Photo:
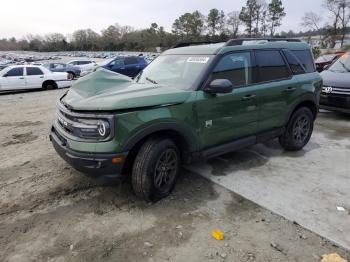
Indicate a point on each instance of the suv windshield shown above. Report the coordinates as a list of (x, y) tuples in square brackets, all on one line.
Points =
[(179, 71), (342, 65)]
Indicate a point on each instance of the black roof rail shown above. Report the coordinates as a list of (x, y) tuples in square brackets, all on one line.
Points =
[(184, 44), (240, 41)]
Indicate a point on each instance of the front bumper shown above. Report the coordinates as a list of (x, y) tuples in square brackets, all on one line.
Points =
[(95, 165), (340, 103), (64, 83)]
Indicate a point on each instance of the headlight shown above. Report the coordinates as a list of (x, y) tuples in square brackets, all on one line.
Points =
[(93, 128)]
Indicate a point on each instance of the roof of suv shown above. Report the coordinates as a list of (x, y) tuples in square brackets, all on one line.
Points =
[(221, 48)]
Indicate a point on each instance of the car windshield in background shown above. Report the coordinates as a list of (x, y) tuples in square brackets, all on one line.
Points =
[(342, 65), (325, 58), (180, 71), (106, 61)]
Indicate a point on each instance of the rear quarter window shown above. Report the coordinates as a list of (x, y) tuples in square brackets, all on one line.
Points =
[(306, 59)]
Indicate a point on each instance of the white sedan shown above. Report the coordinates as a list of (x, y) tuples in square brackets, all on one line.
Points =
[(21, 77), (86, 66)]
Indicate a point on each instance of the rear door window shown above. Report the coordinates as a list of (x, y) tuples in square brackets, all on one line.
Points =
[(306, 59), (34, 71), (84, 62), (271, 65)]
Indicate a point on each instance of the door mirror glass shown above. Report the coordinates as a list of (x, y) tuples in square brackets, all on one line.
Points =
[(219, 86)]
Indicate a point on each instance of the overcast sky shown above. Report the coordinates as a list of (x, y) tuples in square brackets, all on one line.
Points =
[(22, 17)]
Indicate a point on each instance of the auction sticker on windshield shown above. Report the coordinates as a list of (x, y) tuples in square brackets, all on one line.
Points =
[(198, 59)]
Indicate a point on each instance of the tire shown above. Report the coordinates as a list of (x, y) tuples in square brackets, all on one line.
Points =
[(156, 169), (50, 86), (71, 75), (298, 131)]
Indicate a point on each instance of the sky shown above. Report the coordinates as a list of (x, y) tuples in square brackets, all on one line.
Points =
[(19, 18)]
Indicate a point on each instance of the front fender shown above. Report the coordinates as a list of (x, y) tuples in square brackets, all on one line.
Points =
[(185, 132)]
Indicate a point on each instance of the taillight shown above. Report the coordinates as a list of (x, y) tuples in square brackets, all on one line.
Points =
[(69, 77)]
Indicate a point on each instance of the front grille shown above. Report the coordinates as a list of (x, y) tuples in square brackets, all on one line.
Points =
[(335, 90)]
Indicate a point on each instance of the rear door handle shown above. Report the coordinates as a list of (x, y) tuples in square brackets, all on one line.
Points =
[(290, 89), (21, 78), (248, 97)]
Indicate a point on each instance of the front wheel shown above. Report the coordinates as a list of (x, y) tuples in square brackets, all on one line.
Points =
[(156, 169), (299, 130)]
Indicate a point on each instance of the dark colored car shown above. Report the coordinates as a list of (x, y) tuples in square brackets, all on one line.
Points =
[(325, 60), (126, 65), (336, 86), (190, 103), (73, 71)]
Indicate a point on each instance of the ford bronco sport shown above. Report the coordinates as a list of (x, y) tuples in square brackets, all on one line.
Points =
[(196, 101)]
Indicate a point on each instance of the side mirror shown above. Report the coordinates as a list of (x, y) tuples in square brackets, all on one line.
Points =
[(219, 86)]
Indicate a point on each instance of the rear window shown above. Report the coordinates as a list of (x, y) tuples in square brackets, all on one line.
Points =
[(34, 71), (271, 65), (306, 59)]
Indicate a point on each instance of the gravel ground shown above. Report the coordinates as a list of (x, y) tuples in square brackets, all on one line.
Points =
[(50, 212)]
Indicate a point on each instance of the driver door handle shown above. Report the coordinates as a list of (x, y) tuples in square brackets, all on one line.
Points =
[(21, 78), (289, 89), (248, 97)]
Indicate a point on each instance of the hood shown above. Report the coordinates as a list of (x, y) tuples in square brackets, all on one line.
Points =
[(336, 79), (105, 91)]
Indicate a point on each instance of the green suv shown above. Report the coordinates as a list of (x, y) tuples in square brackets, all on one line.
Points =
[(192, 102)]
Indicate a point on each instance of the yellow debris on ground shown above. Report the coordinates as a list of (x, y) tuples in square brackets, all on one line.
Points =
[(218, 234), (333, 258)]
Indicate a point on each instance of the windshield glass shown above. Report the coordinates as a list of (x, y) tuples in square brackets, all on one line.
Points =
[(325, 58), (179, 71), (342, 65), (107, 61)]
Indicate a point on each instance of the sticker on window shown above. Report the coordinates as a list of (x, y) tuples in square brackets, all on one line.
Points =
[(198, 59)]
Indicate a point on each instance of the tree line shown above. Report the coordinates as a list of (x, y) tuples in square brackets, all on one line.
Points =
[(330, 27), (257, 18)]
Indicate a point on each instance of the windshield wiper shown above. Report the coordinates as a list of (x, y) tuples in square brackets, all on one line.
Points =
[(345, 67), (150, 80)]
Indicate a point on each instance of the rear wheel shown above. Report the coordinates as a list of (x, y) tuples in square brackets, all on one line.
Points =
[(156, 169), (71, 75), (50, 85), (299, 130)]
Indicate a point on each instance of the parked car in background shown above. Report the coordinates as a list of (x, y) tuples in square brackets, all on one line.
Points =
[(336, 86), (86, 66), (73, 71), (190, 103), (325, 60), (126, 65), (21, 77)]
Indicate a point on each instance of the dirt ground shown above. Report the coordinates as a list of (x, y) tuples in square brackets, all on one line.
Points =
[(50, 212)]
